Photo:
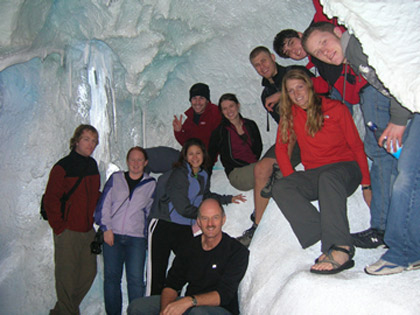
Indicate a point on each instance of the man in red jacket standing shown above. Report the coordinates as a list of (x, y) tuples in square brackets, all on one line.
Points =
[(75, 178)]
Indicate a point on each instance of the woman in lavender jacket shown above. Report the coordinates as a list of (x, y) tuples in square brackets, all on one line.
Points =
[(122, 214)]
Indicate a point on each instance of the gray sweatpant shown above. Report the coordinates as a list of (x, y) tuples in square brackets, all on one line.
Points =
[(329, 184)]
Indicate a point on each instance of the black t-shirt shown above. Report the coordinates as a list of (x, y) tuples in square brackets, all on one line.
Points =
[(220, 269), (132, 183)]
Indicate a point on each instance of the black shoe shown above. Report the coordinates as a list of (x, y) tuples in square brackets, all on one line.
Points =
[(246, 237), (252, 216), (371, 238), (275, 175)]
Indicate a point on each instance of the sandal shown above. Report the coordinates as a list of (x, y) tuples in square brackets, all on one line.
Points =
[(336, 266)]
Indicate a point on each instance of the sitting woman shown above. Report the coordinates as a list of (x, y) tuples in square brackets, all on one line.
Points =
[(121, 213), (335, 164), (238, 141), (173, 219)]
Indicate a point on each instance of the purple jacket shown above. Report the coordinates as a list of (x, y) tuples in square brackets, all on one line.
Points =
[(122, 213)]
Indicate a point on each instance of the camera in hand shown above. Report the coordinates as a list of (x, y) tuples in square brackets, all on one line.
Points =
[(96, 245)]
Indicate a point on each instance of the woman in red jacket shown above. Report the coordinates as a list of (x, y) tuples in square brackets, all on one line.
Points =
[(335, 164)]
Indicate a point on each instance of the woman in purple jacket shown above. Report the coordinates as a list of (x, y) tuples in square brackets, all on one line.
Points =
[(122, 214)]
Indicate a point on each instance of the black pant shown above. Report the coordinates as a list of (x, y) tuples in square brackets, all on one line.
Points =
[(166, 236)]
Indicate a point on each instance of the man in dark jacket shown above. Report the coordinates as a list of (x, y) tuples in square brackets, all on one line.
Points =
[(72, 220), (212, 264), (266, 170)]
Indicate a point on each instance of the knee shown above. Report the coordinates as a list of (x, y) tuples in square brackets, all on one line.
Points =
[(201, 310), (279, 188), (112, 275), (264, 168)]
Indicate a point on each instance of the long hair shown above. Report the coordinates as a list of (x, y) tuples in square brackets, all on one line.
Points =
[(314, 119), (184, 151), (227, 97)]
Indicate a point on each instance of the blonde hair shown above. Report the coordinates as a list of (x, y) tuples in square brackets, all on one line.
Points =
[(314, 120)]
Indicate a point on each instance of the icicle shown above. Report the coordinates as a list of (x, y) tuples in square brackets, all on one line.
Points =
[(114, 106), (143, 116)]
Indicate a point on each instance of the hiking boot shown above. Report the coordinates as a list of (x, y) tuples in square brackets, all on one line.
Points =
[(246, 237), (275, 175), (370, 238), (252, 216)]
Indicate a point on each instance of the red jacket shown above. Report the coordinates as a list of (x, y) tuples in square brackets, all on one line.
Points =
[(337, 141), (78, 215), (209, 120)]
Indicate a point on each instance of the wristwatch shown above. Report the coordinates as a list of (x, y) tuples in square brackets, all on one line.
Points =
[(193, 300)]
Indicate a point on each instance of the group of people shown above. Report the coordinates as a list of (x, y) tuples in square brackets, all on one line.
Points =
[(179, 213)]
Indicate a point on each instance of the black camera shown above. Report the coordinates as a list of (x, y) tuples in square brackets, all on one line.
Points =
[(96, 245)]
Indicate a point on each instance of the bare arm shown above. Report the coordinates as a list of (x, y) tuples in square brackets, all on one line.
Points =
[(180, 306), (168, 296)]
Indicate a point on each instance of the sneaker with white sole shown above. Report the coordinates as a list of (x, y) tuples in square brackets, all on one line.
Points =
[(413, 266), (383, 267), (370, 238)]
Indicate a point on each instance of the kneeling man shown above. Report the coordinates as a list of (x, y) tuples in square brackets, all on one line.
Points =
[(213, 264)]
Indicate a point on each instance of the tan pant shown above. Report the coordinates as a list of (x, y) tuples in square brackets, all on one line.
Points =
[(242, 178), (75, 269)]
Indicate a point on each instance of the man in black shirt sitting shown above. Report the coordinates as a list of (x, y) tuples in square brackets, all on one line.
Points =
[(213, 264)]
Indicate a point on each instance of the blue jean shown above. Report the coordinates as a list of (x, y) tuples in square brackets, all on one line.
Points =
[(375, 108), (402, 233), (130, 251), (336, 95), (151, 306)]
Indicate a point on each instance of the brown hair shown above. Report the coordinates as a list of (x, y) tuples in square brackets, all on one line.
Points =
[(319, 26), (138, 149), (183, 155), (78, 133), (315, 118), (257, 50)]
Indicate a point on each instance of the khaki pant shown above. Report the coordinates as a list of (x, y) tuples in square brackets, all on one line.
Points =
[(75, 269), (242, 178)]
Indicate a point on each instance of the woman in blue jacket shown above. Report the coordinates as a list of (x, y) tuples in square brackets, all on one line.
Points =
[(173, 219), (122, 214)]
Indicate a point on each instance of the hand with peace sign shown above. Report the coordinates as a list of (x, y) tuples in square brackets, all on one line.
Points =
[(177, 123)]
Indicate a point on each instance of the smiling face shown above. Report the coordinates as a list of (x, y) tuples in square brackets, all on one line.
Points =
[(265, 65), (211, 219), (195, 157), (136, 163), (293, 48), (326, 46), (230, 110), (86, 143), (298, 92), (199, 104)]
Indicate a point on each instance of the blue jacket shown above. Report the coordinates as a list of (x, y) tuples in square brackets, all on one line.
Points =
[(184, 193), (121, 212)]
